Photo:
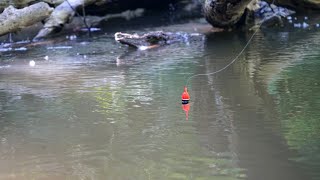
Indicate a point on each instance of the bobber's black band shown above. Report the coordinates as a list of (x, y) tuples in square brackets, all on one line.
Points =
[(185, 101)]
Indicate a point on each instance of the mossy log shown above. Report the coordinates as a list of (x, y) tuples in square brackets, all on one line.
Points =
[(12, 19), (225, 13)]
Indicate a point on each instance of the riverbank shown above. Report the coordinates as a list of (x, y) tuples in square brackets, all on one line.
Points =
[(76, 16)]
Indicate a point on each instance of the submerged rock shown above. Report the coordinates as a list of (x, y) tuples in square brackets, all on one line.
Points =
[(272, 15), (267, 10), (271, 21)]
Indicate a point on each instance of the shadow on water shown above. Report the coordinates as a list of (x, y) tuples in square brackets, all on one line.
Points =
[(296, 93), (239, 115), (288, 54)]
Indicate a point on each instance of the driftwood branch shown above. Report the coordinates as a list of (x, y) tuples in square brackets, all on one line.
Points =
[(12, 19), (61, 15)]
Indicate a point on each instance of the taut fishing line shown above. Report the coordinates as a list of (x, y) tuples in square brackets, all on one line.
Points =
[(226, 66), (234, 60)]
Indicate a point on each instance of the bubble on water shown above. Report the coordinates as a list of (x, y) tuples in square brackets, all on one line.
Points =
[(92, 29), (59, 47), (297, 25), (46, 58), (5, 66), (20, 49), (142, 48), (72, 37), (32, 63)]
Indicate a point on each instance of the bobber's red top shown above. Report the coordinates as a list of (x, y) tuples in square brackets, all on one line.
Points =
[(185, 95)]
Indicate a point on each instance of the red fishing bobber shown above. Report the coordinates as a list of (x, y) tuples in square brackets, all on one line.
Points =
[(185, 96)]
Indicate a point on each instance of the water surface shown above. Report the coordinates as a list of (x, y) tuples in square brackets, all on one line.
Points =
[(93, 109)]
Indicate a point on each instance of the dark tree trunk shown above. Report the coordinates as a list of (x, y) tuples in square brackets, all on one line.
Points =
[(225, 13)]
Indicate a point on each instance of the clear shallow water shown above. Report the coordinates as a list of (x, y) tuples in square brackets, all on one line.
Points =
[(96, 110)]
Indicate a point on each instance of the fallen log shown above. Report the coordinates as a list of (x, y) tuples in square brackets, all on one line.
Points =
[(12, 19), (61, 15)]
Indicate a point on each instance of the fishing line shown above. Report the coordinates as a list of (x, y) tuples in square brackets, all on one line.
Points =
[(83, 16), (234, 59)]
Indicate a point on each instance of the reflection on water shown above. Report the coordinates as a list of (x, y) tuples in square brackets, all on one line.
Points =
[(99, 110), (296, 91)]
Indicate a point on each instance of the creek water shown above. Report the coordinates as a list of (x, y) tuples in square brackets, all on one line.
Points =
[(94, 109)]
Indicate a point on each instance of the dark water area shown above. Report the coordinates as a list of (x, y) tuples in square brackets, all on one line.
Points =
[(91, 108)]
